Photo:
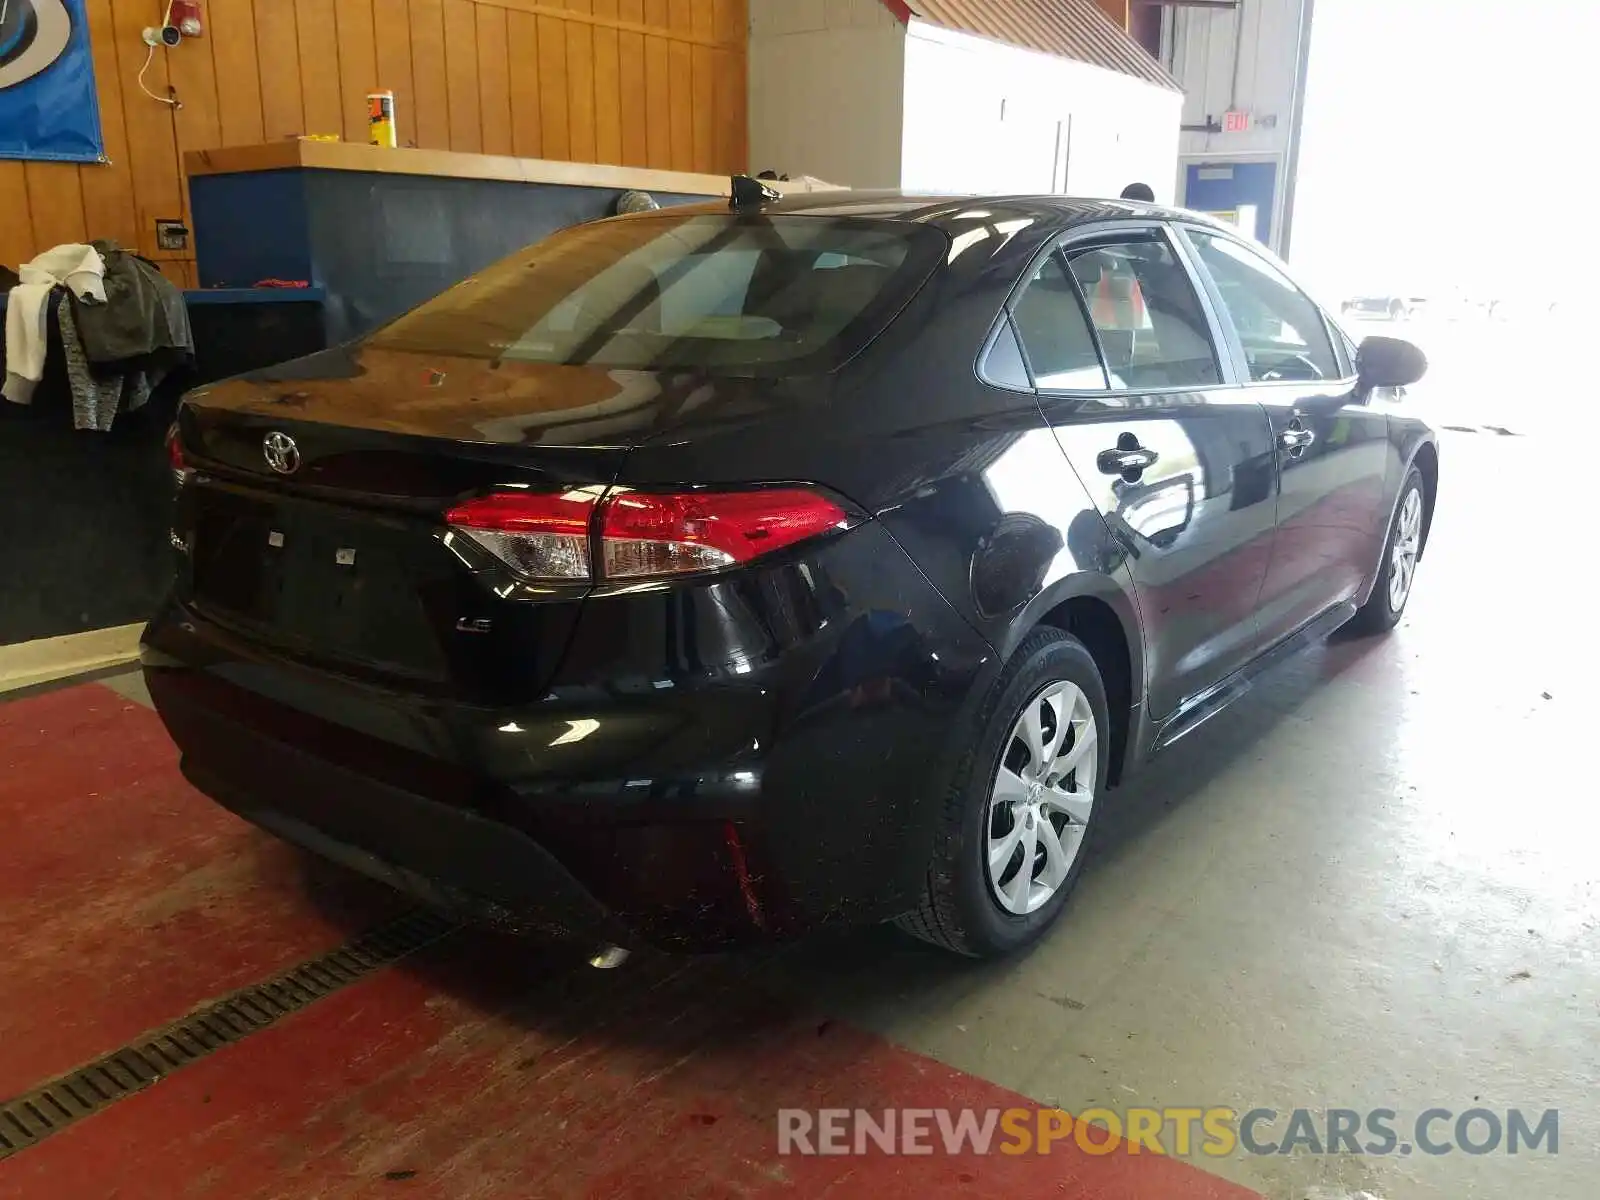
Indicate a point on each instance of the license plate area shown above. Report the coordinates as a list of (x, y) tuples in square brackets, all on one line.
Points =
[(345, 585)]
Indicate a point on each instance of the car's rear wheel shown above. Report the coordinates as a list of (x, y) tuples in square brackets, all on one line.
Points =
[(1022, 803), (1398, 570)]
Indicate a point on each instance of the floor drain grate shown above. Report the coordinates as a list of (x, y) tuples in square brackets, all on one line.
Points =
[(50, 1108)]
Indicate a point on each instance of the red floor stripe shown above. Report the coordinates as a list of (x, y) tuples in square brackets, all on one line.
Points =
[(126, 897), (487, 1072)]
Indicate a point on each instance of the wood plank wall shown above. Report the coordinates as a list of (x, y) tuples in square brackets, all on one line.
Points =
[(1119, 11), (650, 83)]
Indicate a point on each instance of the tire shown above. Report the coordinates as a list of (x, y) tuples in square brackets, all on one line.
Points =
[(1381, 613), (966, 908)]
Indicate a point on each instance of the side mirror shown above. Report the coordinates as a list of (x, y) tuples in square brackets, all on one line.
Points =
[(1385, 362)]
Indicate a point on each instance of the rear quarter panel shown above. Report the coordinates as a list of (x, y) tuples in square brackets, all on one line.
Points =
[(967, 477)]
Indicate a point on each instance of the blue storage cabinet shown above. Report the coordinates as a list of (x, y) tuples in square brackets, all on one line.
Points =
[(378, 242)]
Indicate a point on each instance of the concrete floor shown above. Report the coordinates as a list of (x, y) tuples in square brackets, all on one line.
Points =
[(1370, 885)]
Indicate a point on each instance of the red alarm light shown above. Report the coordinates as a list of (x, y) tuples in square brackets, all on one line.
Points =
[(186, 15)]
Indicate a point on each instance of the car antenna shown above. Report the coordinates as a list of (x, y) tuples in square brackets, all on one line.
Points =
[(751, 193)]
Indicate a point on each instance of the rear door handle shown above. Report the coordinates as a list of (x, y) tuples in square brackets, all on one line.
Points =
[(1130, 460), (1296, 439)]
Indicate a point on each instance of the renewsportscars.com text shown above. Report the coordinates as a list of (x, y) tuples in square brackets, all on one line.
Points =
[(1215, 1132)]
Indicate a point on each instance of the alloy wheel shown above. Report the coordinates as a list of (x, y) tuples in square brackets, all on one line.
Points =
[(1043, 794), (1407, 546)]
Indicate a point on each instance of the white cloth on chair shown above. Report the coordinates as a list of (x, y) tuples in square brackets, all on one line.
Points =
[(77, 267)]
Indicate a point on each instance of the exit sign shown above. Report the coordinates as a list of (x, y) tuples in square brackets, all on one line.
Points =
[(1236, 122)]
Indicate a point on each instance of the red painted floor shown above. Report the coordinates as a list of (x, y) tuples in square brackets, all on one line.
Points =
[(126, 897), (483, 1068)]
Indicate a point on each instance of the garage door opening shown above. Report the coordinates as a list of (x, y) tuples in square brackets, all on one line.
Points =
[(1443, 170)]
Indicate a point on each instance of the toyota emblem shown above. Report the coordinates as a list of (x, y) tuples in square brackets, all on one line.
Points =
[(283, 456)]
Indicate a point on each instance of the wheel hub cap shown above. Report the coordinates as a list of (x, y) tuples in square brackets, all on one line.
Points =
[(1042, 797), (1407, 547)]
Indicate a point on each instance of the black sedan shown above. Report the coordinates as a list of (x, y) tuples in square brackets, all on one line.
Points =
[(711, 575)]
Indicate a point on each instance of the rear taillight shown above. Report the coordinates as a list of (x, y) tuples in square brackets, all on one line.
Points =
[(642, 535), (539, 536), (180, 469)]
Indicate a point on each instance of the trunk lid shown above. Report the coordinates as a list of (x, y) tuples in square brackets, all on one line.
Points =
[(335, 556)]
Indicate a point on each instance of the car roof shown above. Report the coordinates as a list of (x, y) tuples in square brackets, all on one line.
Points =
[(953, 210)]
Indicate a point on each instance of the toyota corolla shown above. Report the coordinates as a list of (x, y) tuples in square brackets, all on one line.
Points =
[(716, 574)]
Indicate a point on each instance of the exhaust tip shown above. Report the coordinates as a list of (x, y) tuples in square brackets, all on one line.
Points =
[(609, 959)]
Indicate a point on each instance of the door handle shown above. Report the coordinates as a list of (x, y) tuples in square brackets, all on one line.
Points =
[(1126, 460), (1295, 440)]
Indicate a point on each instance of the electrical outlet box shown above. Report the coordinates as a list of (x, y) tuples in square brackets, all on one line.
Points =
[(172, 235)]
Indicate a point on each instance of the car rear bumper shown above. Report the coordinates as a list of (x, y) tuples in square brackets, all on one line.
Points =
[(761, 795), (445, 855)]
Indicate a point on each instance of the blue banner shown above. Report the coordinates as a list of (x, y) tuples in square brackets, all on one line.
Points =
[(48, 107)]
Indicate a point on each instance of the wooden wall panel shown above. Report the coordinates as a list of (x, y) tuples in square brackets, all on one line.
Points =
[(552, 72), (732, 23), (657, 83), (527, 120), (108, 204), (703, 111), (430, 105), (232, 33), (358, 65), (158, 190), (55, 199), (461, 71), (283, 112), (197, 124), (391, 35), (318, 33), (658, 101), (732, 126), (1117, 10), (703, 105), (658, 97), (607, 85), (580, 84), (16, 235), (680, 97), (494, 80), (635, 108)]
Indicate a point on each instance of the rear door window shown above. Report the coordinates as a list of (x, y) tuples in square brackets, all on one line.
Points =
[(1002, 364), (773, 294), (1151, 325), (1054, 332)]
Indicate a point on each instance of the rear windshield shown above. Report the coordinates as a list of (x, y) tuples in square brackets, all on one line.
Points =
[(741, 293)]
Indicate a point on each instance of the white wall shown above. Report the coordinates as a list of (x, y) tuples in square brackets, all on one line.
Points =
[(1268, 39), (825, 94), (985, 117)]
